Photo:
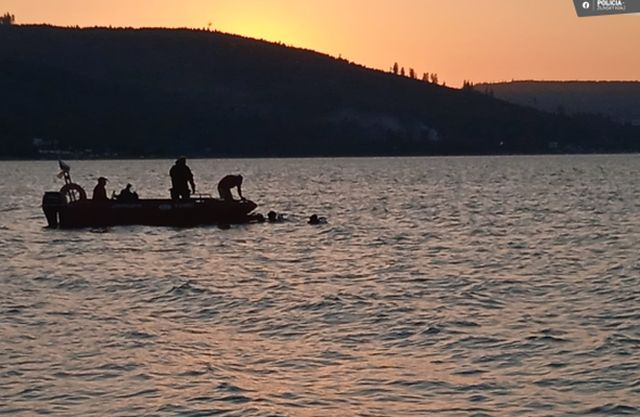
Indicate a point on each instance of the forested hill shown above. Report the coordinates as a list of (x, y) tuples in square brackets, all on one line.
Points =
[(619, 100), (161, 92)]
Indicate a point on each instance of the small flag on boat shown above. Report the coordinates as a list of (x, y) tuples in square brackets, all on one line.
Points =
[(64, 168)]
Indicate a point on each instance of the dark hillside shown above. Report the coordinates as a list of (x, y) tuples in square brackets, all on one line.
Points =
[(162, 92), (618, 100)]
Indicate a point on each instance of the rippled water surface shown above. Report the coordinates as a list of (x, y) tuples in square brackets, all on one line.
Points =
[(503, 286)]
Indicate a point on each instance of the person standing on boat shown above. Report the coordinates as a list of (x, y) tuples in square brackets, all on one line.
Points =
[(99, 191), (227, 183), (181, 178)]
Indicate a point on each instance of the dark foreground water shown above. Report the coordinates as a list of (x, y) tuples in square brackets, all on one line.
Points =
[(505, 286)]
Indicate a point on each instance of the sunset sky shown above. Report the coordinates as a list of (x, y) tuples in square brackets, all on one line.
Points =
[(488, 40)]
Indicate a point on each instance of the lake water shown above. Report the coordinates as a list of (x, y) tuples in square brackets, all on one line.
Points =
[(488, 286)]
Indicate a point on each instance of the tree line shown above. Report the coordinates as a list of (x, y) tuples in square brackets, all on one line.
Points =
[(411, 73), (7, 19)]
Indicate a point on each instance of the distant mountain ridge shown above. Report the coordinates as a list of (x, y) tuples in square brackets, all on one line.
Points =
[(163, 92), (619, 100)]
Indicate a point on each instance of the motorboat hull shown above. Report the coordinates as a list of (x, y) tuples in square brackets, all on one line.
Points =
[(148, 212)]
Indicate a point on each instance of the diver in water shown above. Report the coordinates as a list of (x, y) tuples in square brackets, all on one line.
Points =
[(314, 220), (274, 217), (181, 178)]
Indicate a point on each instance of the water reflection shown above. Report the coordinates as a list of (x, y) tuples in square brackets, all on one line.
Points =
[(446, 286)]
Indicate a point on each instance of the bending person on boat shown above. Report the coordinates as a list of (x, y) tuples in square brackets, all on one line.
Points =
[(227, 183), (181, 178)]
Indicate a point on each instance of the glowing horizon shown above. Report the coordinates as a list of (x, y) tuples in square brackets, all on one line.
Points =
[(487, 41)]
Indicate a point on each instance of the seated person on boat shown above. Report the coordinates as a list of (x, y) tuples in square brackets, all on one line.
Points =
[(126, 195), (100, 191)]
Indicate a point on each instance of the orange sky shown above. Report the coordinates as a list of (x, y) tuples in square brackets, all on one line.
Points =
[(479, 40)]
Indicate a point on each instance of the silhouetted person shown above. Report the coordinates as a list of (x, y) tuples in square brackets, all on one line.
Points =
[(99, 191), (127, 195), (181, 178), (274, 217), (314, 219), (227, 183)]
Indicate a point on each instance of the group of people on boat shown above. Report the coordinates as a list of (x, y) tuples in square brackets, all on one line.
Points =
[(183, 185), (100, 192), (182, 178)]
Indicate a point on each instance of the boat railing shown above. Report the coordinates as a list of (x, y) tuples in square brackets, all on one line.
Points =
[(201, 196)]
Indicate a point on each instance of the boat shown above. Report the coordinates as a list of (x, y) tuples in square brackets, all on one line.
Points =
[(70, 208)]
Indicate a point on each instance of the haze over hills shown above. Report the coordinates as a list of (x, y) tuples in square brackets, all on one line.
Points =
[(618, 100), (162, 92)]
